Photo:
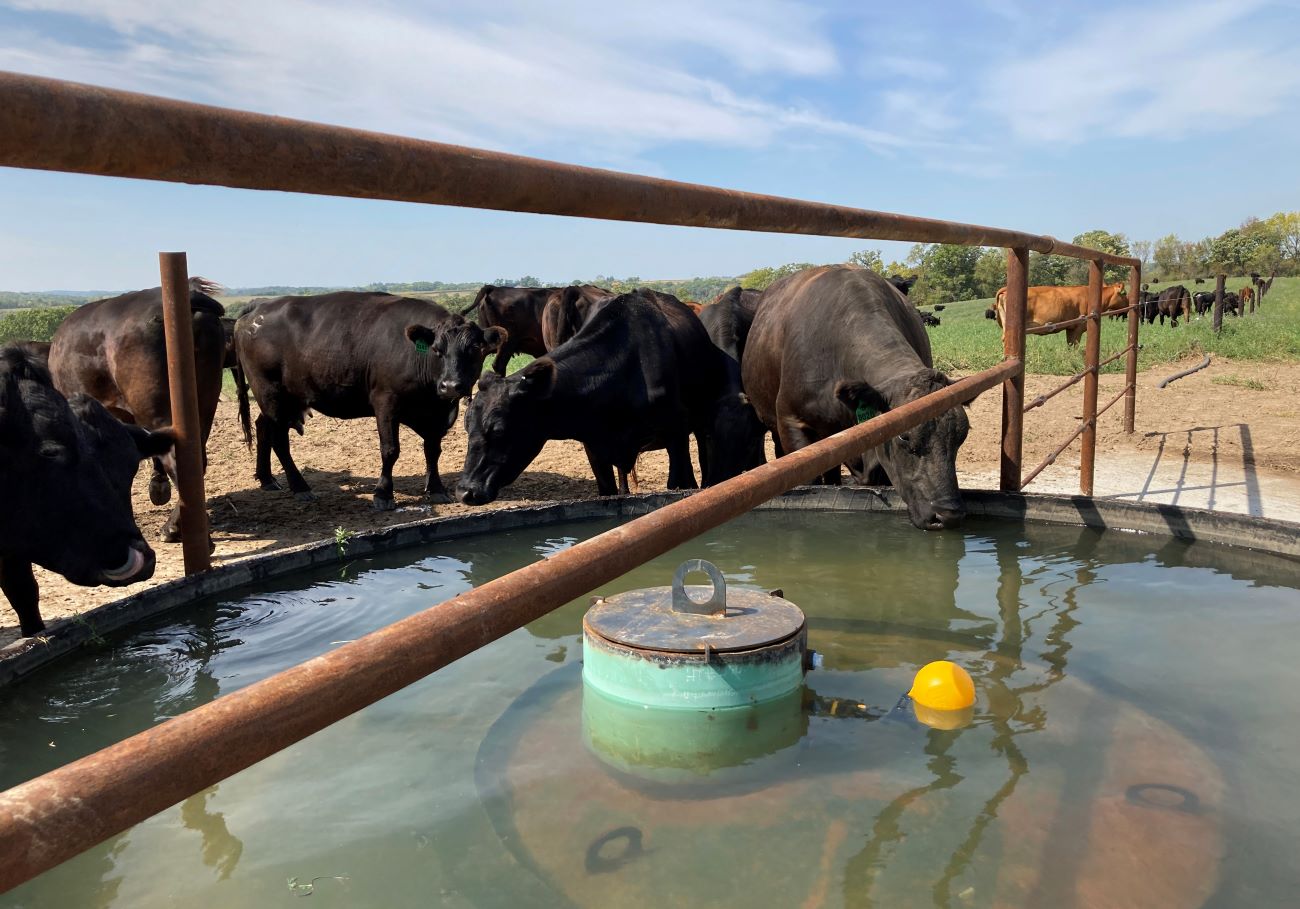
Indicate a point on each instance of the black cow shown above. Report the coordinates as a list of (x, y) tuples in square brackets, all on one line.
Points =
[(728, 318), (1148, 305), (640, 374), (1200, 280), (350, 355), (928, 319), (1202, 302), (903, 285), (114, 350), (66, 468), (1231, 303), (517, 311), (1173, 302), (832, 346)]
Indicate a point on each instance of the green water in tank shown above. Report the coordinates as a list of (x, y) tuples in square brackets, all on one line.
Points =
[(1135, 740)]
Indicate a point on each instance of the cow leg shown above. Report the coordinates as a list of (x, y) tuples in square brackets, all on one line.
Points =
[(792, 435), (502, 359), (1073, 334), (160, 488), (603, 471), (263, 475), (680, 473), (432, 432), (389, 449), (24, 595), (277, 435)]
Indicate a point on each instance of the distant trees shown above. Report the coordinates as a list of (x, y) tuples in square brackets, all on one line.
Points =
[(762, 278)]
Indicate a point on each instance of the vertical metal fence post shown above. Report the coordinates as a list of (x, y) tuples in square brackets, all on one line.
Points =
[(1013, 389), (178, 326), (1131, 360), (1218, 303), (1091, 356)]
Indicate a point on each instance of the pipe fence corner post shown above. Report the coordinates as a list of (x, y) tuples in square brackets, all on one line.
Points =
[(1218, 303), (1091, 356), (178, 327), (1131, 360), (1013, 389)]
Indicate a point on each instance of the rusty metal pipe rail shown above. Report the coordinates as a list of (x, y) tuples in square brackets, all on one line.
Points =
[(1047, 396), (47, 124), (1111, 359), (1112, 402), (1051, 458), (48, 820), (1048, 327)]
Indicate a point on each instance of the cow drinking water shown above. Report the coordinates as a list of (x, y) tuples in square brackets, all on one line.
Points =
[(832, 346), (350, 355), (640, 374), (66, 467)]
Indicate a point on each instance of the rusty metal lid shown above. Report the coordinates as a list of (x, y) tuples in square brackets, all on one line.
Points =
[(691, 619)]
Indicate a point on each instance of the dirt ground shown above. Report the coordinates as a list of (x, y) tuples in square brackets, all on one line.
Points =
[(1199, 420)]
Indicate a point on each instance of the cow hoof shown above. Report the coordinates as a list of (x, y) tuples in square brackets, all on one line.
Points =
[(160, 490), (305, 495), (269, 485), (169, 535), (382, 504), (441, 497)]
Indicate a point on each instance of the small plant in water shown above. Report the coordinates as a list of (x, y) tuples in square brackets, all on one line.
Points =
[(94, 639)]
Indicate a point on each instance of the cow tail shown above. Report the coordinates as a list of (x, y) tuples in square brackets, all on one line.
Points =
[(478, 301), (241, 391)]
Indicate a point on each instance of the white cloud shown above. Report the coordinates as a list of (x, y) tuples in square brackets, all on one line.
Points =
[(1157, 72), (577, 79)]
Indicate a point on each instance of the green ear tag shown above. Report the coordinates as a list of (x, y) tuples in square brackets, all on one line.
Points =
[(422, 346), (865, 412)]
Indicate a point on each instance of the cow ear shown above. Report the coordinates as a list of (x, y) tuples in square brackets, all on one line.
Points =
[(494, 338), (537, 379), (488, 379), (152, 444), (860, 398), (421, 336)]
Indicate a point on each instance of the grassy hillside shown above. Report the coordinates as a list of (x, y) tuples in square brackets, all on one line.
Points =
[(968, 342)]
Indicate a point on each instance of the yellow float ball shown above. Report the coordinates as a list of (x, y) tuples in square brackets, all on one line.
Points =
[(943, 685)]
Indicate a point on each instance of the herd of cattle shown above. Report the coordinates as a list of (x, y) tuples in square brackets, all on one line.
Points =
[(619, 373), (1048, 307)]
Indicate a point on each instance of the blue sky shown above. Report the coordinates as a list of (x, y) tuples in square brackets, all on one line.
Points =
[(1142, 118)]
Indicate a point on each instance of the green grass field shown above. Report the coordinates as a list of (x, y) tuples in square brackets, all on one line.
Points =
[(968, 342)]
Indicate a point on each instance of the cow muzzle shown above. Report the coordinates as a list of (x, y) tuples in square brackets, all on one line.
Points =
[(139, 566), (453, 391), (944, 518)]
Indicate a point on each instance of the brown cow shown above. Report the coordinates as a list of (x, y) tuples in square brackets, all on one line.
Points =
[(1246, 295), (1049, 305), (114, 351), (518, 312)]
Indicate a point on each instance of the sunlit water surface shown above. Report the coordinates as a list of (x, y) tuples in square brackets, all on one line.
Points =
[(1136, 740)]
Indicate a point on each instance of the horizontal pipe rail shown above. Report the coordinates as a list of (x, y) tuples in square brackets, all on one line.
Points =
[(1051, 458), (47, 124), (1112, 402), (49, 819), (1112, 359), (1048, 327), (1044, 398)]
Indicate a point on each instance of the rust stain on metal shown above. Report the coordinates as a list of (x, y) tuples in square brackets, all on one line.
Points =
[(178, 327), (1013, 389), (47, 124), (1092, 353)]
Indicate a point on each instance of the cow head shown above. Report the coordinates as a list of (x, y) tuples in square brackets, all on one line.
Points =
[(922, 462), (735, 441), (460, 346), (66, 467), (506, 429)]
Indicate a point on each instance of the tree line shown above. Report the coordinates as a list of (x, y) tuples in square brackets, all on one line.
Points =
[(947, 273)]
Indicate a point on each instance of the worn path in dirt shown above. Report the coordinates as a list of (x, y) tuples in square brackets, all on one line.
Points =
[(1198, 444)]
